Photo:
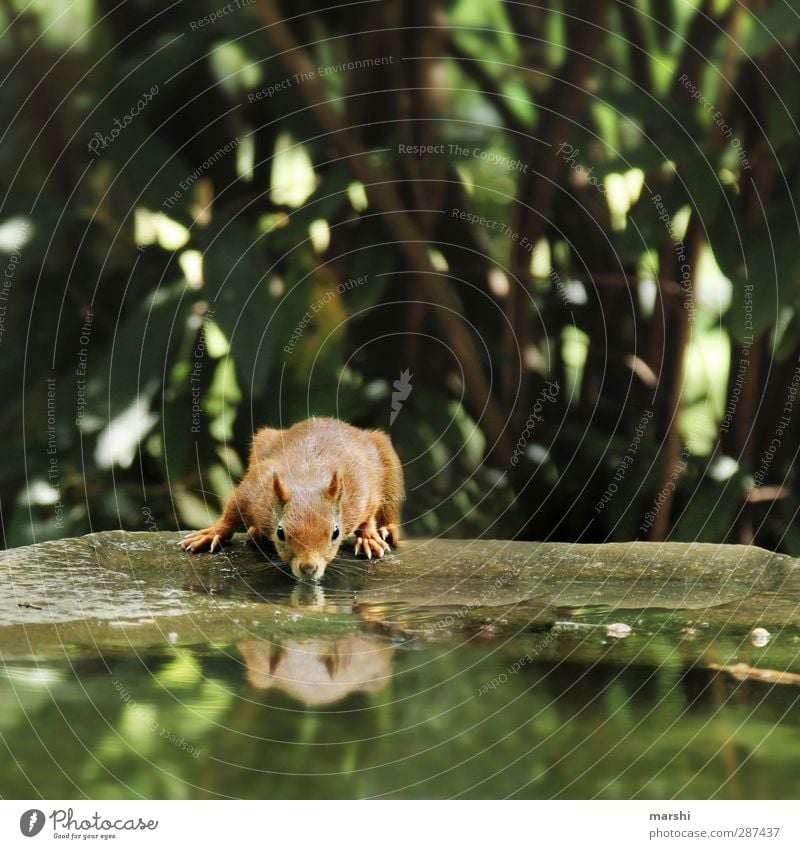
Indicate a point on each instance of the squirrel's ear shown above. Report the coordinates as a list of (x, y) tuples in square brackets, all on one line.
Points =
[(281, 493), (335, 487)]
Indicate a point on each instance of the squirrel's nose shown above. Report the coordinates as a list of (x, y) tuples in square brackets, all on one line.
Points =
[(308, 569)]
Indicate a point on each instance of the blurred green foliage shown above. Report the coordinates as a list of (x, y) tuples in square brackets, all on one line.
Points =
[(179, 225)]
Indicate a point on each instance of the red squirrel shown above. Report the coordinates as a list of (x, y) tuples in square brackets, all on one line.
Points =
[(319, 671), (308, 488)]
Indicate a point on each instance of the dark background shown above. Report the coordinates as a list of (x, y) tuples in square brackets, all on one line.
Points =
[(636, 168)]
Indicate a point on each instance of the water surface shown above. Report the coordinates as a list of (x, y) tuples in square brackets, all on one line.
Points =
[(218, 678)]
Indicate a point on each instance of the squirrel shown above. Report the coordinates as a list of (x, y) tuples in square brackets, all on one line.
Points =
[(319, 671), (308, 488)]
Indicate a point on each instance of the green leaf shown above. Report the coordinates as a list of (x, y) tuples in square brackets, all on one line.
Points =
[(235, 271), (761, 264), (778, 24), (140, 355)]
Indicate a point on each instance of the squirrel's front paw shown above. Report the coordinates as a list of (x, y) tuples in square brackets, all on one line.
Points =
[(206, 540), (370, 542), (389, 533)]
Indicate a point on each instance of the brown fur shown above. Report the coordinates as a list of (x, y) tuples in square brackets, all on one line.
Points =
[(319, 672), (317, 474)]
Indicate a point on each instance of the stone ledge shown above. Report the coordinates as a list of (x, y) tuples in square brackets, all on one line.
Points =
[(122, 589)]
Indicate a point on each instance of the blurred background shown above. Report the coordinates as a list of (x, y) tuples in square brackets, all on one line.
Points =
[(551, 248)]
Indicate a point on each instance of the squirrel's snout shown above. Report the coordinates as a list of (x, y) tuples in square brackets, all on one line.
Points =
[(308, 568)]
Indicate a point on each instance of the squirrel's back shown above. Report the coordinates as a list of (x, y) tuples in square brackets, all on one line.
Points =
[(308, 453)]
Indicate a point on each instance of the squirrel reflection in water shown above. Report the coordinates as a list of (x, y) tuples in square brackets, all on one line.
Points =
[(319, 671)]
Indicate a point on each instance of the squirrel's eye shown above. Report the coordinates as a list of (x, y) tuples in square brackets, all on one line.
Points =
[(335, 534), (280, 533)]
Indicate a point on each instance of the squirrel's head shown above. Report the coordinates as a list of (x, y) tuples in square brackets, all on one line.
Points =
[(308, 529)]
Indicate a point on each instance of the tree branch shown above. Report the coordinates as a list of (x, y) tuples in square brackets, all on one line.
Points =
[(382, 194), (537, 189)]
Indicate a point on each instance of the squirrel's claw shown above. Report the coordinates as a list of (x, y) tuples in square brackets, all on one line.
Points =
[(389, 533), (201, 540), (370, 543)]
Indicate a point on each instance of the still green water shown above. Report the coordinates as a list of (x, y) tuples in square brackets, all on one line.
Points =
[(479, 669), (366, 717)]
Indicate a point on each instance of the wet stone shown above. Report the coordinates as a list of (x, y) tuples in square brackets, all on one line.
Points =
[(137, 589)]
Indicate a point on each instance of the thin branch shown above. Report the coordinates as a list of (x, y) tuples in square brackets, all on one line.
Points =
[(638, 49), (671, 379), (473, 68)]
